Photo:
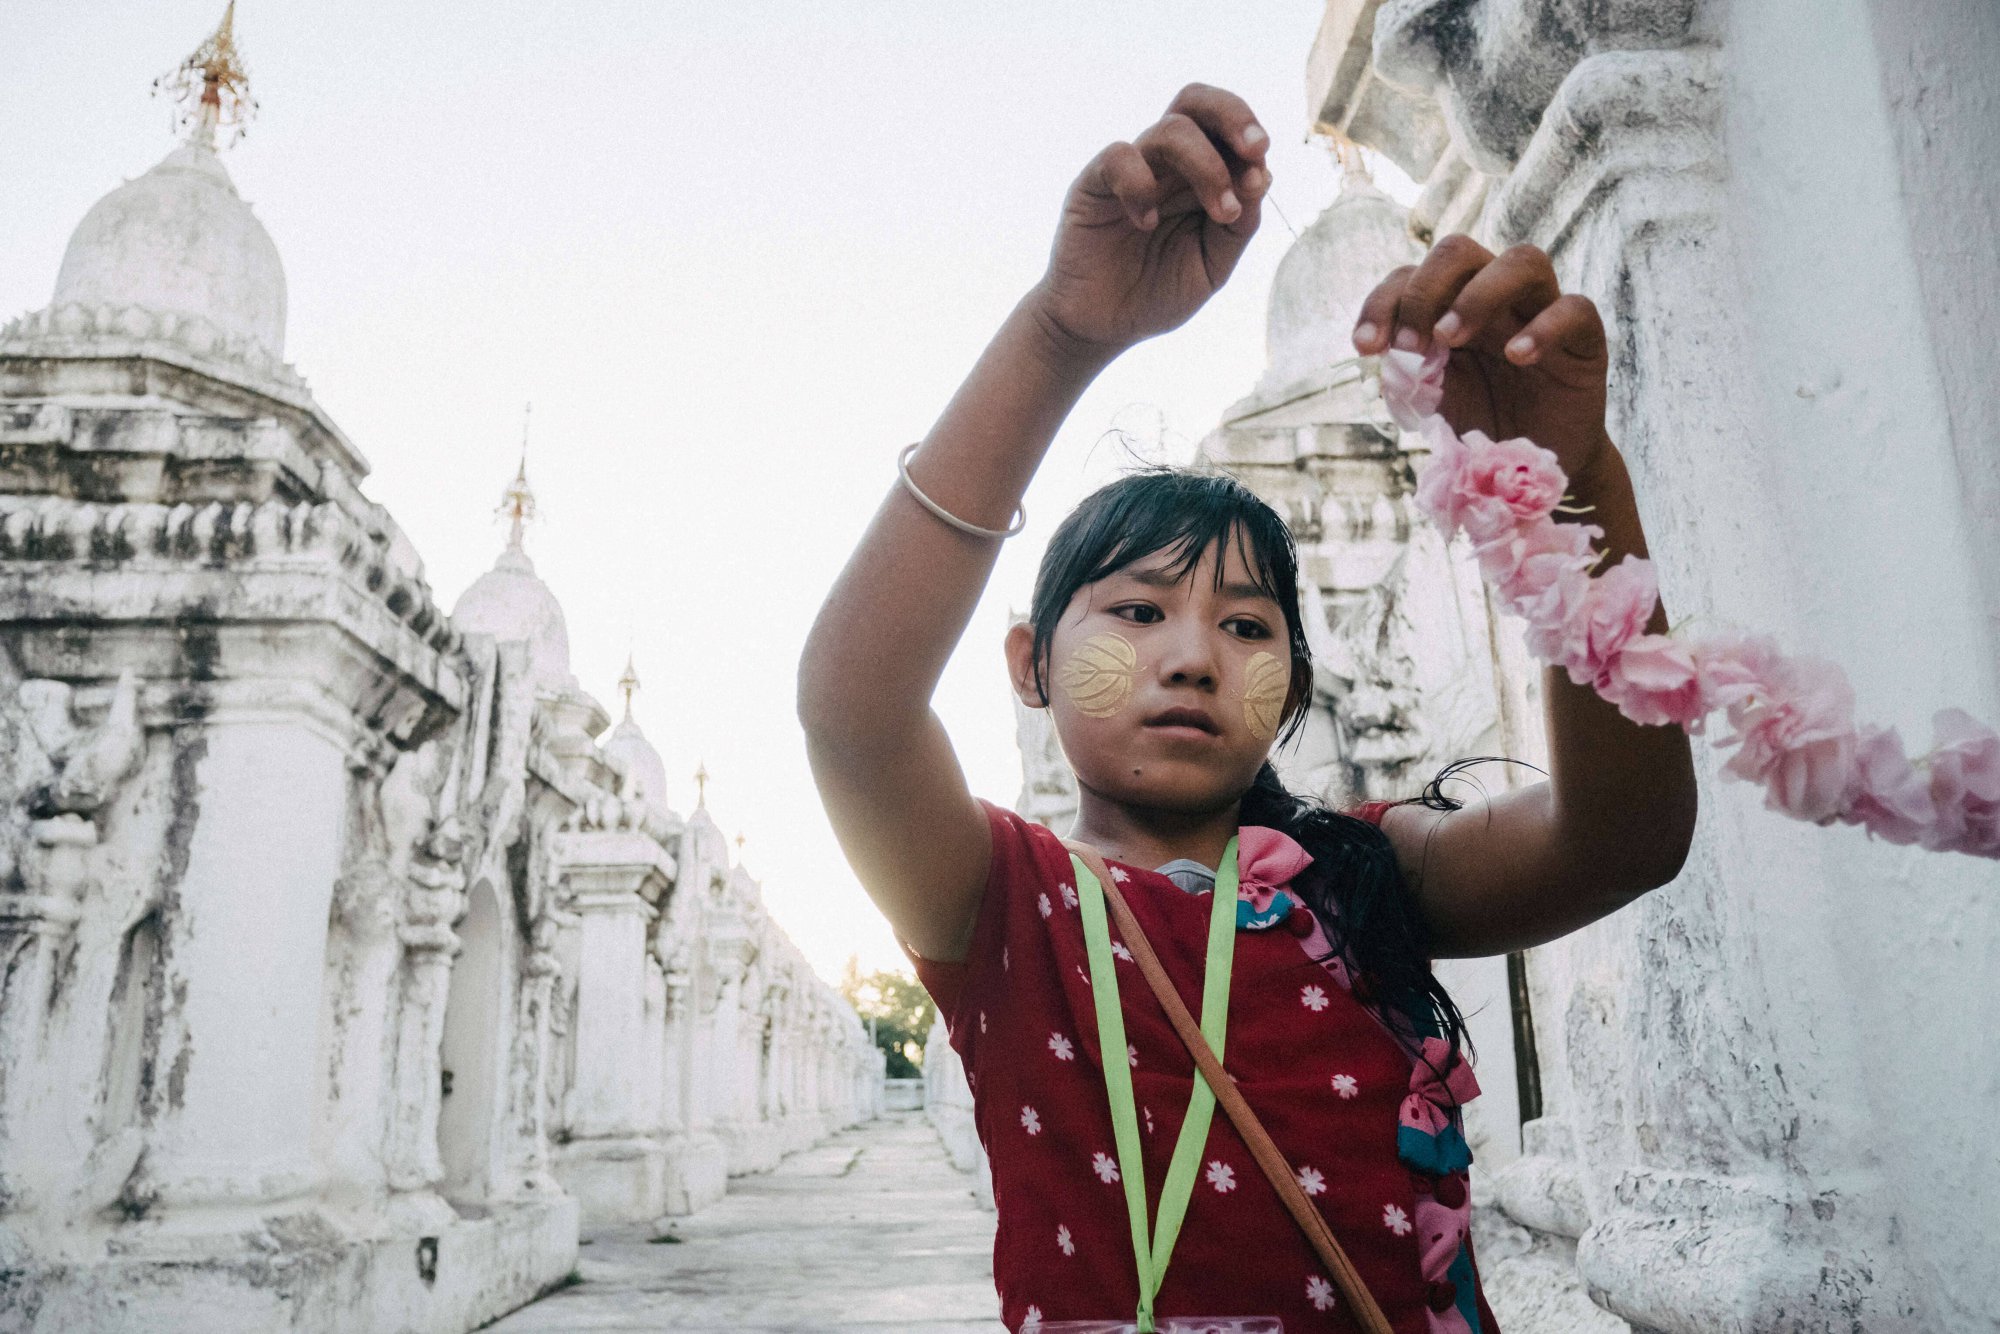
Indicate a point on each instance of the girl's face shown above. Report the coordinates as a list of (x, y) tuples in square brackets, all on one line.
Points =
[(1167, 691)]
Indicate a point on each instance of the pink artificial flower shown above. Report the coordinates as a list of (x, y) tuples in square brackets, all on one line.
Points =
[(1965, 785), (1438, 493), (1413, 383), (1483, 517), (1523, 478), (1734, 666), (1886, 795), (1558, 632), (1655, 680), (1614, 612), (1797, 736), (1524, 562)]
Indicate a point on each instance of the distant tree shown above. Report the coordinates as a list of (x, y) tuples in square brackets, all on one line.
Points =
[(897, 1008)]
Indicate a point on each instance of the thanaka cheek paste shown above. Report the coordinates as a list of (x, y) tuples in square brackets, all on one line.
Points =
[(1267, 679), (1098, 676)]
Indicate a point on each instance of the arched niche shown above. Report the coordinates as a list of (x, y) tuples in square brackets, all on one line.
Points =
[(475, 1030)]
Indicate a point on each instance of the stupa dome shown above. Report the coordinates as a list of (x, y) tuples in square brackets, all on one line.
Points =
[(627, 748), (512, 604), (180, 241), (705, 839), (1317, 292)]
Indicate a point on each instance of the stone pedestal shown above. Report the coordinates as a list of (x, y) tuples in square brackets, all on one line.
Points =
[(696, 1172), (614, 1162)]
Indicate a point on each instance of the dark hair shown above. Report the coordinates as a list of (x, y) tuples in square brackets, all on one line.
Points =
[(1354, 885)]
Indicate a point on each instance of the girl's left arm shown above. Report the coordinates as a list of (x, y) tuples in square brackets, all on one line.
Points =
[(1616, 815)]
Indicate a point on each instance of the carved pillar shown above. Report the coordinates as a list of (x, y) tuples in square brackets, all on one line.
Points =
[(528, 1142), (614, 1162), (433, 902), (37, 926), (696, 1172), (357, 1034), (57, 783)]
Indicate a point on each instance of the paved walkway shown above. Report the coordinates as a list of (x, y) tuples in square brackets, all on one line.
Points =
[(871, 1230)]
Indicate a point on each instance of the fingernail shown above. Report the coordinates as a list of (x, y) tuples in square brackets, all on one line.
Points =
[(1407, 340), (1230, 204), (1255, 135), (1151, 220), (1255, 179), (1521, 346), (1448, 327), (1365, 335)]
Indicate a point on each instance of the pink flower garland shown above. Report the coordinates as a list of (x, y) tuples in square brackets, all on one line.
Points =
[(1793, 716)]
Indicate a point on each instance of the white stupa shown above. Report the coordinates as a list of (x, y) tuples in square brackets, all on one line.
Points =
[(512, 604), (628, 749), (175, 258)]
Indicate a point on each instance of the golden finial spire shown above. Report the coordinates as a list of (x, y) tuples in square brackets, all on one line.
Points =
[(517, 502), (629, 685), (211, 88), (701, 785)]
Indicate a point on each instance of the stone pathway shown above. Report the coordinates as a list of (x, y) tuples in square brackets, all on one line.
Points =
[(871, 1230)]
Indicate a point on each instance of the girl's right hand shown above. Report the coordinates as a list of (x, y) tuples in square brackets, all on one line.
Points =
[(1153, 228)]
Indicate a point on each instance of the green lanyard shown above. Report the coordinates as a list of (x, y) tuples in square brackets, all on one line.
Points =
[(1152, 1254)]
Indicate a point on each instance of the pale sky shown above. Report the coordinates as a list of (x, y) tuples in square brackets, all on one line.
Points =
[(737, 255)]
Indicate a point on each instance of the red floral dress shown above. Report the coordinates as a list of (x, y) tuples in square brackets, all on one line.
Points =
[(1372, 1132)]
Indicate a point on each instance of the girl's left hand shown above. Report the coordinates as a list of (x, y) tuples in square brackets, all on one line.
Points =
[(1526, 359)]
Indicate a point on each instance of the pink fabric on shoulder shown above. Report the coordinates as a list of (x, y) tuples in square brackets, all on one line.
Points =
[(1266, 862)]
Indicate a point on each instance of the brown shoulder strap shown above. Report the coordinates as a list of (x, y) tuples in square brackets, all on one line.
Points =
[(1268, 1157)]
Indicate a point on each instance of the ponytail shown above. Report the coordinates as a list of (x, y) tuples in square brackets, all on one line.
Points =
[(1357, 891)]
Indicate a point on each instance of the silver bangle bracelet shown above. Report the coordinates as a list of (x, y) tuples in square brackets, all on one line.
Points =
[(903, 471)]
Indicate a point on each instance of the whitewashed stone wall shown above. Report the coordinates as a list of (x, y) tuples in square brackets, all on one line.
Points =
[(1784, 211), (345, 970)]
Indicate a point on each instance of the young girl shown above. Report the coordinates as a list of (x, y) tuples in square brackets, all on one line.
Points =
[(1166, 637)]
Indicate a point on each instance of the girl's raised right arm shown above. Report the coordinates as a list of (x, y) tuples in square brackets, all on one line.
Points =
[(1149, 231)]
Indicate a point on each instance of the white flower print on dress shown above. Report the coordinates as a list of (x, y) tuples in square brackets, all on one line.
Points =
[(1118, 949), (1313, 998), (982, 1021), (1312, 1181), (1064, 1240), (1048, 909), (1085, 976), (1149, 1119), (1345, 1086), (1132, 1055), (1118, 874), (1031, 1121), (1031, 1321), (1318, 1291), (1395, 1219), (1106, 1168), (1069, 896), (1060, 1045), (1005, 961), (1221, 1176)]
